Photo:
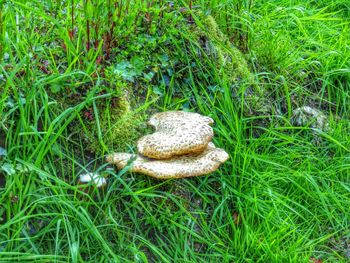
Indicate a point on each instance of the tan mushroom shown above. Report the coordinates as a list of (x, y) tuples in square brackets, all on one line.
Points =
[(176, 133), (177, 167)]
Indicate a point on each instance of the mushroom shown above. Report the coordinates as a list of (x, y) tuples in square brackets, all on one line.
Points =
[(176, 167), (93, 178), (176, 133)]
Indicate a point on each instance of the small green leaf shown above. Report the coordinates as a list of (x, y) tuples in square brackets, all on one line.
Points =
[(148, 76), (55, 88), (157, 90), (8, 169), (138, 64), (3, 152)]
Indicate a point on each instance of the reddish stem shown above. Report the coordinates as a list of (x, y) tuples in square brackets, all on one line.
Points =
[(88, 34), (120, 8), (191, 18), (96, 35), (127, 7), (71, 35)]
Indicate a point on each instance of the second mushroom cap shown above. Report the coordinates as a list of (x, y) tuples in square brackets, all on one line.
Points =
[(177, 167), (176, 133)]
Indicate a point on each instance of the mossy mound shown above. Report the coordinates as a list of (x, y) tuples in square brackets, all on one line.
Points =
[(168, 62), (228, 59), (230, 64), (111, 123), (117, 127), (108, 122)]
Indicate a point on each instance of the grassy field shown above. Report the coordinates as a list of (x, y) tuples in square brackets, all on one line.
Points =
[(79, 79)]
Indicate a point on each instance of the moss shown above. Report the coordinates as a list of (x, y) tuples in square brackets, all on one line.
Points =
[(116, 128), (111, 121), (227, 57), (231, 64)]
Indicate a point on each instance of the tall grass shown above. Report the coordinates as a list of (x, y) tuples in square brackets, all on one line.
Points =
[(282, 197)]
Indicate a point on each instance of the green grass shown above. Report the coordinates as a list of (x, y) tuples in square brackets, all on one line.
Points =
[(284, 194)]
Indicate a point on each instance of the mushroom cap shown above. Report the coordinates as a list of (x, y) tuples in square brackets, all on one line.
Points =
[(176, 133), (96, 179), (177, 167)]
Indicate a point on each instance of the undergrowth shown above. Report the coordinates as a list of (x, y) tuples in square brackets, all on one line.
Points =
[(78, 79)]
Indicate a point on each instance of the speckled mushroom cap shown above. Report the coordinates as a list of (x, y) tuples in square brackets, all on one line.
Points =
[(176, 133), (177, 167)]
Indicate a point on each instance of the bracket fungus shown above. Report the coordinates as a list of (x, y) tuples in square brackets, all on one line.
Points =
[(180, 147), (188, 165), (176, 133)]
